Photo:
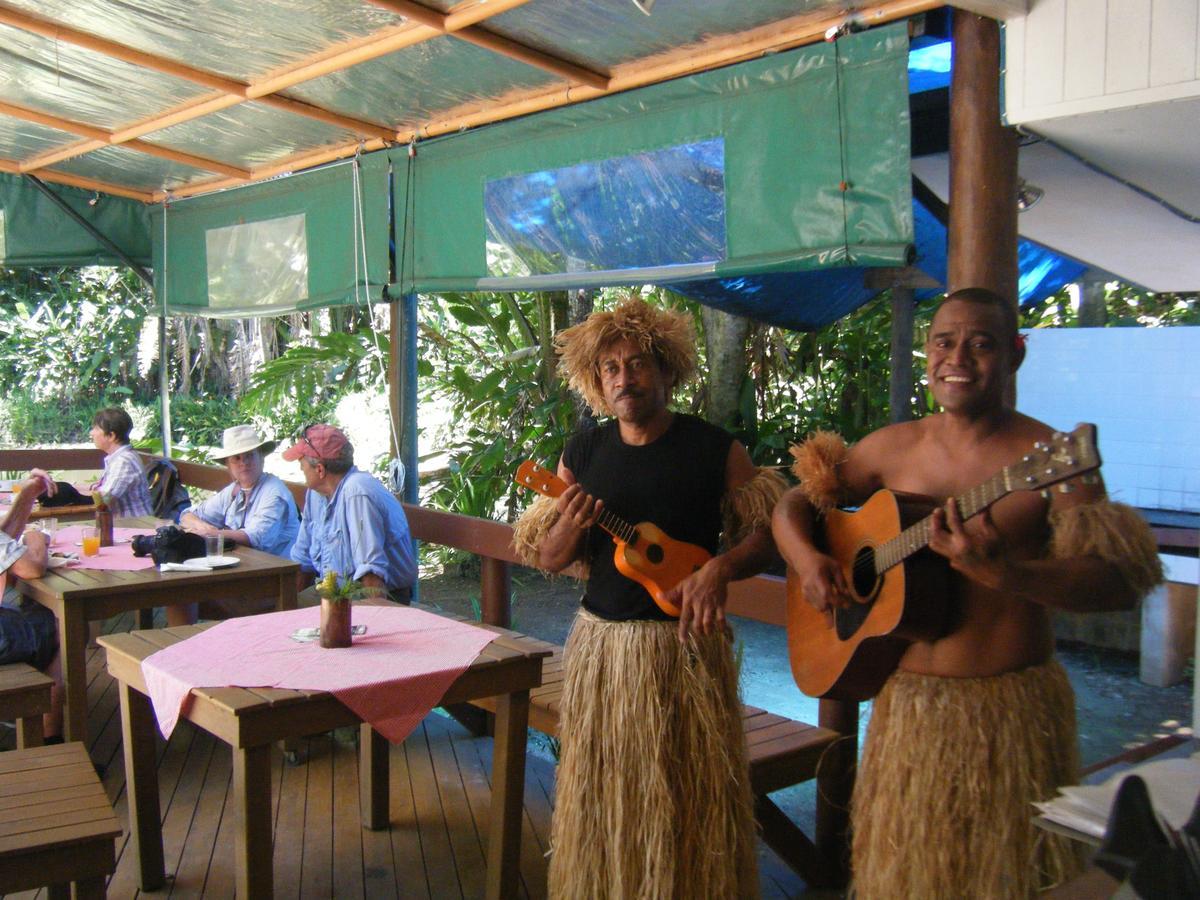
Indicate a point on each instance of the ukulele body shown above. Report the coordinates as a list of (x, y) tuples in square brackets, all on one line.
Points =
[(658, 562)]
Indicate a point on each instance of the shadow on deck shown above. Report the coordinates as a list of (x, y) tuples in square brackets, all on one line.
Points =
[(435, 847)]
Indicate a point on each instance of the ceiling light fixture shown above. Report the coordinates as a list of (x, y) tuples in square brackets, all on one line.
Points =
[(644, 5), (1028, 195)]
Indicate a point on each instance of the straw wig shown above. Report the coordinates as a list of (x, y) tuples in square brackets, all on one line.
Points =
[(665, 333)]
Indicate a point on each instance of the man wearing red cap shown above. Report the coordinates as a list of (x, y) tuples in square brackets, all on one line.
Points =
[(352, 524)]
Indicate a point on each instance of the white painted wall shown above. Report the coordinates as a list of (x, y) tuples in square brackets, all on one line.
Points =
[(1141, 387), (1067, 57)]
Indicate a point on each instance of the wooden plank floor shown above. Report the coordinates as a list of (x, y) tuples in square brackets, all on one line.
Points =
[(440, 800)]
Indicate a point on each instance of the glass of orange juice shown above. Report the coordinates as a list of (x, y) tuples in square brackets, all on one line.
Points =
[(91, 541)]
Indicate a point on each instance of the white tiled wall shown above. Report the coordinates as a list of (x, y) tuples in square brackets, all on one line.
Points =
[(1141, 387)]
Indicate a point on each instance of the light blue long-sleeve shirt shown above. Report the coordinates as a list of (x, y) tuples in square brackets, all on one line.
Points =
[(360, 530), (268, 517)]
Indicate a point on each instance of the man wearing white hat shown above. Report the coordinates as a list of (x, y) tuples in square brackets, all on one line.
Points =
[(256, 510)]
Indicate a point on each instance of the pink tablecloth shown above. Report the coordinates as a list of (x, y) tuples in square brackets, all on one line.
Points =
[(69, 539), (392, 676)]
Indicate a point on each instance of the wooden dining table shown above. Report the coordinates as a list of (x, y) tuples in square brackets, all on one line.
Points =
[(250, 720), (79, 596)]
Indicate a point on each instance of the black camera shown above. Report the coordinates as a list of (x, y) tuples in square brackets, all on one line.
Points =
[(169, 543)]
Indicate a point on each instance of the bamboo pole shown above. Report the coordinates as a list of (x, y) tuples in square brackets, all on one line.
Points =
[(464, 14), (12, 167)]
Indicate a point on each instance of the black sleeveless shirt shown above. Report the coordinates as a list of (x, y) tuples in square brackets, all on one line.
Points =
[(676, 482)]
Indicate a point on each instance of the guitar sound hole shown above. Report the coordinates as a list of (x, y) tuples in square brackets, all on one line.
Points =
[(864, 582), (654, 553)]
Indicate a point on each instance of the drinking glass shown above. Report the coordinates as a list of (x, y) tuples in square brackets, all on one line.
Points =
[(214, 545), (91, 540), (50, 526)]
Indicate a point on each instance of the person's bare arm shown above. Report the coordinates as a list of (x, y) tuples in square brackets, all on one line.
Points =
[(1077, 584), (24, 497), (577, 512), (196, 525), (32, 564), (701, 597)]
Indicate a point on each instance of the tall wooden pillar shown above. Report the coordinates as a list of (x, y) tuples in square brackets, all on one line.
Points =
[(983, 165)]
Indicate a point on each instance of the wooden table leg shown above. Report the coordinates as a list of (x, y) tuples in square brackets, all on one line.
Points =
[(252, 796), (72, 648), (508, 795), (141, 772), (373, 784), (29, 732)]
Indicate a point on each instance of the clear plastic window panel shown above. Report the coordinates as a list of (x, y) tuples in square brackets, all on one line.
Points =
[(3, 241), (258, 263), (656, 208)]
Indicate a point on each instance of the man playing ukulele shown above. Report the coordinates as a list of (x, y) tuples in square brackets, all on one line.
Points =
[(977, 724), (652, 795)]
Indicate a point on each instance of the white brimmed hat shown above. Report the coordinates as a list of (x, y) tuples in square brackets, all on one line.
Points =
[(242, 439)]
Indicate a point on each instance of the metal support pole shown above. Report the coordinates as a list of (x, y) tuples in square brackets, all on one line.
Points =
[(900, 387)]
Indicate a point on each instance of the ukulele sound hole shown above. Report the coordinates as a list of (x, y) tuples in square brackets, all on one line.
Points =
[(864, 582), (654, 553)]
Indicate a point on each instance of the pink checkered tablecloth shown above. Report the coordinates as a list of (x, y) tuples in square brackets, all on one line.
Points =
[(391, 677), (69, 539)]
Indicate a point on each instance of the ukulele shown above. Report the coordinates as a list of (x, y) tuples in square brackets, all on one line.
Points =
[(901, 586), (644, 552)]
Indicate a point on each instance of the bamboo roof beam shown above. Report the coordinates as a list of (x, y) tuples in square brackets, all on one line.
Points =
[(472, 11), (102, 138), (795, 32), (496, 43), (12, 167)]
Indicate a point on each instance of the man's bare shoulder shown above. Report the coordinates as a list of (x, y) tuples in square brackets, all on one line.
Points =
[(873, 459)]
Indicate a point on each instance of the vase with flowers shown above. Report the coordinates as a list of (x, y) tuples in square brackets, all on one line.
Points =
[(104, 518), (336, 594)]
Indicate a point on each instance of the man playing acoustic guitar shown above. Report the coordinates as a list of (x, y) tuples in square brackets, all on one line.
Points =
[(652, 796), (977, 724)]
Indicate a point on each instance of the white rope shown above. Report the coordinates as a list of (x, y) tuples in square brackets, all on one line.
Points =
[(360, 250)]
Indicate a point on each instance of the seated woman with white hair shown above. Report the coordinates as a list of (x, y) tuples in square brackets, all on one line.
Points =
[(256, 510)]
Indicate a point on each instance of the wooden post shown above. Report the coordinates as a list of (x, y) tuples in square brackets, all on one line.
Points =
[(835, 784), (495, 580), (900, 385), (983, 165)]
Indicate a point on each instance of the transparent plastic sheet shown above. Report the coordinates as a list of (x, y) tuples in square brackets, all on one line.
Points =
[(20, 139), (323, 200), (656, 208), (248, 135), (421, 82), (258, 263), (603, 33), (131, 168), (81, 85), (41, 234), (229, 37)]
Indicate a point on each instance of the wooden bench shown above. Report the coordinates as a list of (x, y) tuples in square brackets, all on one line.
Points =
[(25, 698), (56, 824)]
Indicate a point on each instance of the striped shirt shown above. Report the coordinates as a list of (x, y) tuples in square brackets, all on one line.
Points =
[(124, 483)]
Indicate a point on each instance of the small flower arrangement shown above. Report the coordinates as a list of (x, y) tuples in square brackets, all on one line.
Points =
[(334, 588), (101, 500)]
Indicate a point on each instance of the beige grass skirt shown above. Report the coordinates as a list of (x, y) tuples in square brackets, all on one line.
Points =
[(653, 796), (942, 807)]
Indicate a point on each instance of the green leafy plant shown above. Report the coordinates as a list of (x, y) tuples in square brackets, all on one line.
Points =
[(338, 589)]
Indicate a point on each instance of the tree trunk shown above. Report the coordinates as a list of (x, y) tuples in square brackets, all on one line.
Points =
[(1093, 307), (580, 304), (725, 346)]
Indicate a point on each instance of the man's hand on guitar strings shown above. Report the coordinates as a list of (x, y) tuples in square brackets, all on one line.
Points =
[(701, 601), (976, 552), (579, 508), (823, 585)]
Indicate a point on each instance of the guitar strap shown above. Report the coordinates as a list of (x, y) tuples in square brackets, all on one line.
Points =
[(1114, 532), (816, 467)]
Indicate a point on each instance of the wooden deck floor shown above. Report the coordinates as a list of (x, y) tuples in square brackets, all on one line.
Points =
[(441, 793)]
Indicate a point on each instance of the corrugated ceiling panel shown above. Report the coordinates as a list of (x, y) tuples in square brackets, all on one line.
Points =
[(605, 33), (419, 82), (120, 165), (249, 135), (77, 84), (20, 139), (229, 37)]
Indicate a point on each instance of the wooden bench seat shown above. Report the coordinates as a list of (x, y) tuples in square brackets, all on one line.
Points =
[(56, 824), (25, 698), (782, 752)]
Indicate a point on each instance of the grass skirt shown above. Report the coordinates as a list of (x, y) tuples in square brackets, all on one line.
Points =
[(653, 796), (942, 807)]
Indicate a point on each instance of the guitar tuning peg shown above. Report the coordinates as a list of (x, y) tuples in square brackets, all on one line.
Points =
[(1090, 478), (1028, 457), (1057, 436), (1045, 492), (1066, 487)]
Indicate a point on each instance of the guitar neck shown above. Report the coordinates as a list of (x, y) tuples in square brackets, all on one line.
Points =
[(916, 537), (617, 527)]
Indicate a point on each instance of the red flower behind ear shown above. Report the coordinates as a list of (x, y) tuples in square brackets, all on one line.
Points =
[(1019, 342)]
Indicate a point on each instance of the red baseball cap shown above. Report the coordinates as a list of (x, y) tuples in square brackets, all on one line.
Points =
[(319, 441)]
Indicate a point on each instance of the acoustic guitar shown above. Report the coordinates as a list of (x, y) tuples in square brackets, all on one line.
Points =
[(644, 552), (901, 586)]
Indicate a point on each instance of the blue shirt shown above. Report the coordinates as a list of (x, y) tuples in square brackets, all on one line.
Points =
[(361, 530), (269, 517), (124, 483)]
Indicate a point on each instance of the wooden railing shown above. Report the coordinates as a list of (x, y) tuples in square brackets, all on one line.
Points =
[(761, 598)]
